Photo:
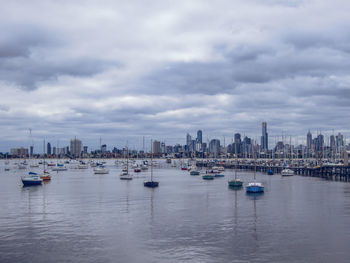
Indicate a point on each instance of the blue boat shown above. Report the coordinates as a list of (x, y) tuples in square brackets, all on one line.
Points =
[(151, 184), (31, 179), (219, 175), (270, 172), (255, 187), (208, 177)]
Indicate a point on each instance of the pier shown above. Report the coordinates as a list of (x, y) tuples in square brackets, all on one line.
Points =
[(328, 172)]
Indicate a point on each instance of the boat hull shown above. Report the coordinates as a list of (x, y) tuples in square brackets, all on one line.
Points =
[(125, 178), (194, 173), (255, 189), (31, 182), (219, 175), (270, 172), (151, 184), (235, 183), (208, 177)]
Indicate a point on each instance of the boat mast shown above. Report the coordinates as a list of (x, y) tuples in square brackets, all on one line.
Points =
[(151, 160), (254, 153), (236, 160)]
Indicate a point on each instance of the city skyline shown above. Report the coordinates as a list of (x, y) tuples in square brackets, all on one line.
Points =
[(312, 143)]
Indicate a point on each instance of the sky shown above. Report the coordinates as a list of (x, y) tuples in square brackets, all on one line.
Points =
[(124, 70)]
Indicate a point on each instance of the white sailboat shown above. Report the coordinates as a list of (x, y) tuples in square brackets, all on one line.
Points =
[(125, 175)]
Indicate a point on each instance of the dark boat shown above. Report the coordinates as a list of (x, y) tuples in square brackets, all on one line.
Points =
[(270, 172), (151, 184)]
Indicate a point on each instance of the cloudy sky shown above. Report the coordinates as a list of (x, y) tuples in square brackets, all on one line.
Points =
[(121, 70)]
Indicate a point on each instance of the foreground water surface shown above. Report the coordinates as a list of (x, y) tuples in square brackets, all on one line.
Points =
[(82, 217)]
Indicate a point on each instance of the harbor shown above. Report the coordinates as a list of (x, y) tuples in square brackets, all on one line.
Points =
[(82, 216)]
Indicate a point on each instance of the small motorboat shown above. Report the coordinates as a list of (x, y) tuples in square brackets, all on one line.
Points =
[(101, 170), (287, 172), (208, 177)]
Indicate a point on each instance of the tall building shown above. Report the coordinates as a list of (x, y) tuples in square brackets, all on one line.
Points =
[(340, 140), (85, 149), (188, 139), (48, 150), (309, 140), (237, 143), (319, 143), (332, 142), (199, 137), (103, 148), (264, 138), (75, 147), (156, 147), (214, 147), (31, 150)]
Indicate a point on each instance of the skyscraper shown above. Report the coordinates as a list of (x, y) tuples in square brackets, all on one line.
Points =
[(309, 140), (332, 142), (48, 148), (214, 147), (199, 137), (156, 147), (188, 141), (264, 138), (75, 147)]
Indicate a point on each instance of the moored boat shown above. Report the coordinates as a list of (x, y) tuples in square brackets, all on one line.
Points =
[(151, 183), (101, 170), (255, 187), (287, 172), (208, 177), (235, 183), (31, 179)]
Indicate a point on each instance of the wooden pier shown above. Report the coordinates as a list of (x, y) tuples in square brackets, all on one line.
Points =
[(328, 172)]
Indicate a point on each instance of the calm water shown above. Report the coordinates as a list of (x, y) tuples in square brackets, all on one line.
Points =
[(82, 217)]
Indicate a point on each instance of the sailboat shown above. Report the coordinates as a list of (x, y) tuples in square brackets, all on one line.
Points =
[(255, 187), (46, 175), (151, 184), (236, 182), (125, 172), (31, 179), (208, 174)]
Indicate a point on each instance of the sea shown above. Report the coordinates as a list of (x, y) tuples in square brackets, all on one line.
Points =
[(80, 216)]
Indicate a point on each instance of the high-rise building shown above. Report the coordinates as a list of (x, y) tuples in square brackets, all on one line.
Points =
[(156, 147), (199, 137), (214, 147), (332, 142), (85, 149), (319, 142), (264, 138), (103, 148), (309, 140), (75, 147), (340, 140), (162, 147), (48, 151), (31, 150), (237, 143), (188, 139)]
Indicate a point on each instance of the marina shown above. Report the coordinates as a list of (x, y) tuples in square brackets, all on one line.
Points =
[(87, 217)]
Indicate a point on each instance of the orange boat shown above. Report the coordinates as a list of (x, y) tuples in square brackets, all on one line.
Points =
[(45, 177)]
